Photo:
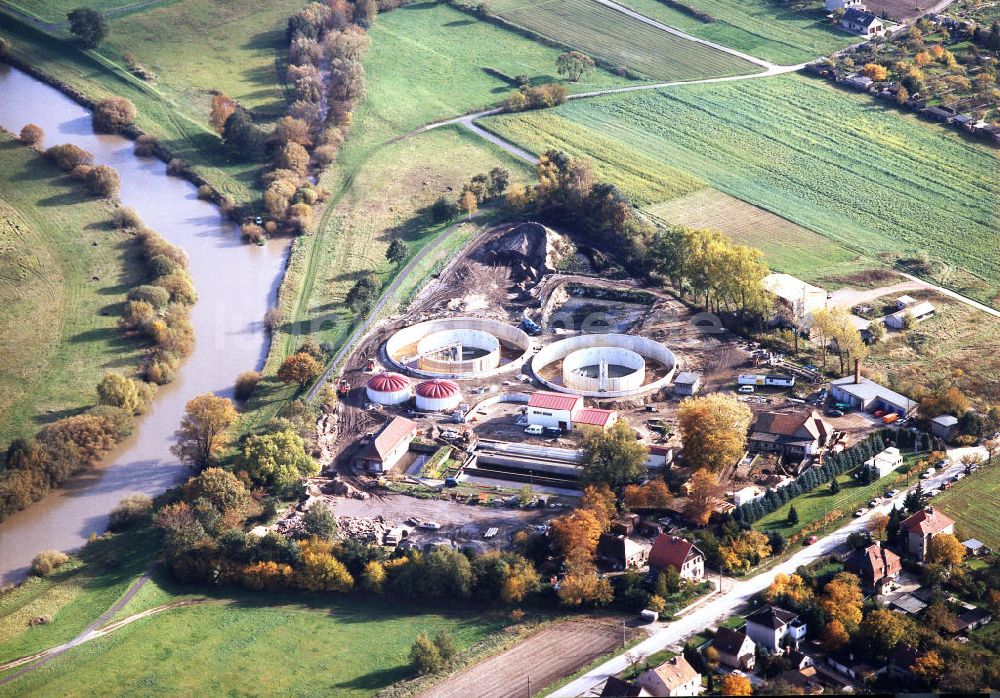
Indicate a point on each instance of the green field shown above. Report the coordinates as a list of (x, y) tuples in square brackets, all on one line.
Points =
[(775, 31), (256, 643), (61, 269), (787, 247), (862, 175), (620, 40), (974, 502), (56, 10)]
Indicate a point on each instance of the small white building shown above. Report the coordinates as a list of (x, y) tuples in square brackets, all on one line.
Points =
[(919, 312), (772, 628), (862, 22), (687, 383), (944, 426), (864, 394), (886, 461), (659, 456), (557, 410), (749, 493), (388, 445), (904, 302), (834, 5), (795, 295)]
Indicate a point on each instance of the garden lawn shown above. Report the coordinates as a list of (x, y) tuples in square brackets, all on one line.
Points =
[(974, 503), (787, 247), (63, 272), (294, 644), (75, 595), (620, 40), (786, 33), (871, 180), (813, 506)]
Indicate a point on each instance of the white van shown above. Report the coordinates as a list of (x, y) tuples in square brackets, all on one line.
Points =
[(534, 430), (746, 388)]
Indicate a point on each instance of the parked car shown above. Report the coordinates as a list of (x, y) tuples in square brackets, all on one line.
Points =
[(534, 430), (873, 503), (429, 525), (834, 413), (746, 389), (812, 539), (891, 493), (890, 418), (878, 413), (552, 431), (928, 473), (859, 513)]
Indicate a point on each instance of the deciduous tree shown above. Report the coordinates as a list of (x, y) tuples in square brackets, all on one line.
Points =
[(278, 458), (31, 134), (113, 115), (468, 203), (714, 430), (944, 549), (88, 26), (202, 432), (424, 656), (882, 629), (299, 368), (612, 457), (702, 493), (223, 107), (842, 600), (733, 685), (834, 636), (574, 65), (396, 252)]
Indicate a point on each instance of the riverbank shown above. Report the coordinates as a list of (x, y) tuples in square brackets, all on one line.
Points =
[(236, 284)]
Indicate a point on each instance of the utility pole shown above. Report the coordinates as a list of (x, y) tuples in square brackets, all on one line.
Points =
[(529, 685), (623, 634)]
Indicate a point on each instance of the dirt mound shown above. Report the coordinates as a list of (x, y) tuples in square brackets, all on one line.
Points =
[(525, 249)]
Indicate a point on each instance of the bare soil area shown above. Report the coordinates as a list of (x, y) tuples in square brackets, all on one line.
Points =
[(545, 657)]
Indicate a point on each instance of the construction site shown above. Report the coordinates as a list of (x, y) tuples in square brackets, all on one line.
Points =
[(476, 393)]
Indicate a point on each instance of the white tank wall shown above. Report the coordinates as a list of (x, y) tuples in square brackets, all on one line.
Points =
[(646, 348), (438, 404), (468, 338), (508, 334), (592, 356), (386, 398)]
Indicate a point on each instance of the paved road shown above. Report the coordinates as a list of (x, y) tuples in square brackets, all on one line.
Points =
[(727, 604)]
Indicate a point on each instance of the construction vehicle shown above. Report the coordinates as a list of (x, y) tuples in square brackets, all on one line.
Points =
[(343, 388)]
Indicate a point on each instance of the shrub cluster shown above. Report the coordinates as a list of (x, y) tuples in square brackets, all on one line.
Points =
[(47, 562), (113, 115), (541, 97)]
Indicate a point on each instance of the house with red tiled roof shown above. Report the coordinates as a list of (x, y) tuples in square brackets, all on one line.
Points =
[(876, 566), (794, 434), (556, 410), (920, 528), (388, 445), (681, 554)]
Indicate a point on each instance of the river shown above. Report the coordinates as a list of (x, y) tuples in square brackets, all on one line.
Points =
[(236, 283)]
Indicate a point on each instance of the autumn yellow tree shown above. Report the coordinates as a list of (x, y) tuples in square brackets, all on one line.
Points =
[(373, 577), (744, 551), (834, 636), (789, 588), (202, 432), (576, 534), (877, 525), (944, 549), (929, 667), (581, 586), (714, 430), (468, 203), (878, 73), (733, 685), (882, 630), (653, 495), (320, 570), (702, 492), (842, 600), (600, 501)]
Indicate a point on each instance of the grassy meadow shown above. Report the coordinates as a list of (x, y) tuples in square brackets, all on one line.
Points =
[(785, 33), (966, 502), (621, 40), (787, 247), (863, 176), (55, 10), (248, 643), (63, 271)]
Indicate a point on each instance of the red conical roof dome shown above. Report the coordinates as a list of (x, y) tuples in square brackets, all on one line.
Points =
[(437, 388), (388, 382)]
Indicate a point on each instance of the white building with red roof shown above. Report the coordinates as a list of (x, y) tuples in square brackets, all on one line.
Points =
[(595, 417), (550, 409), (921, 527), (388, 445), (681, 554)]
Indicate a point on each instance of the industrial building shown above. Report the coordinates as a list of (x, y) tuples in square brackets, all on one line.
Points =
[(554, 410), (389, 445), (863, 394), (687, 383), (388, 388)]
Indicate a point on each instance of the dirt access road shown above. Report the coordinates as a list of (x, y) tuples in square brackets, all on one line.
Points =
[(540, 660)]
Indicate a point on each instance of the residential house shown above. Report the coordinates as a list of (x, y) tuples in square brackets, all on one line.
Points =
[(919, 312), (617, 688), (864, 394), (964, 122), (620, 552), (389, 445), (687, 383), (735, 649), (876, 566), (595, 417), (773, 628), (944, 426), (675, 677), (796, 434), (749, 493), (798, 660), (855, 665), (921, 527), (625, 524), (862, 22), (969, 618), (557, 410), (885, 462), (682, 555)]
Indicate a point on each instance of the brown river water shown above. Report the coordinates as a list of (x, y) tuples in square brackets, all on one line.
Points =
[(235, 282)]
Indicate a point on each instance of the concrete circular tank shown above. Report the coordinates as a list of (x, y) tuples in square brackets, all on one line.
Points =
[(605, 365), (438, 395), (388, 388), (603, 369), (462, 347)]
